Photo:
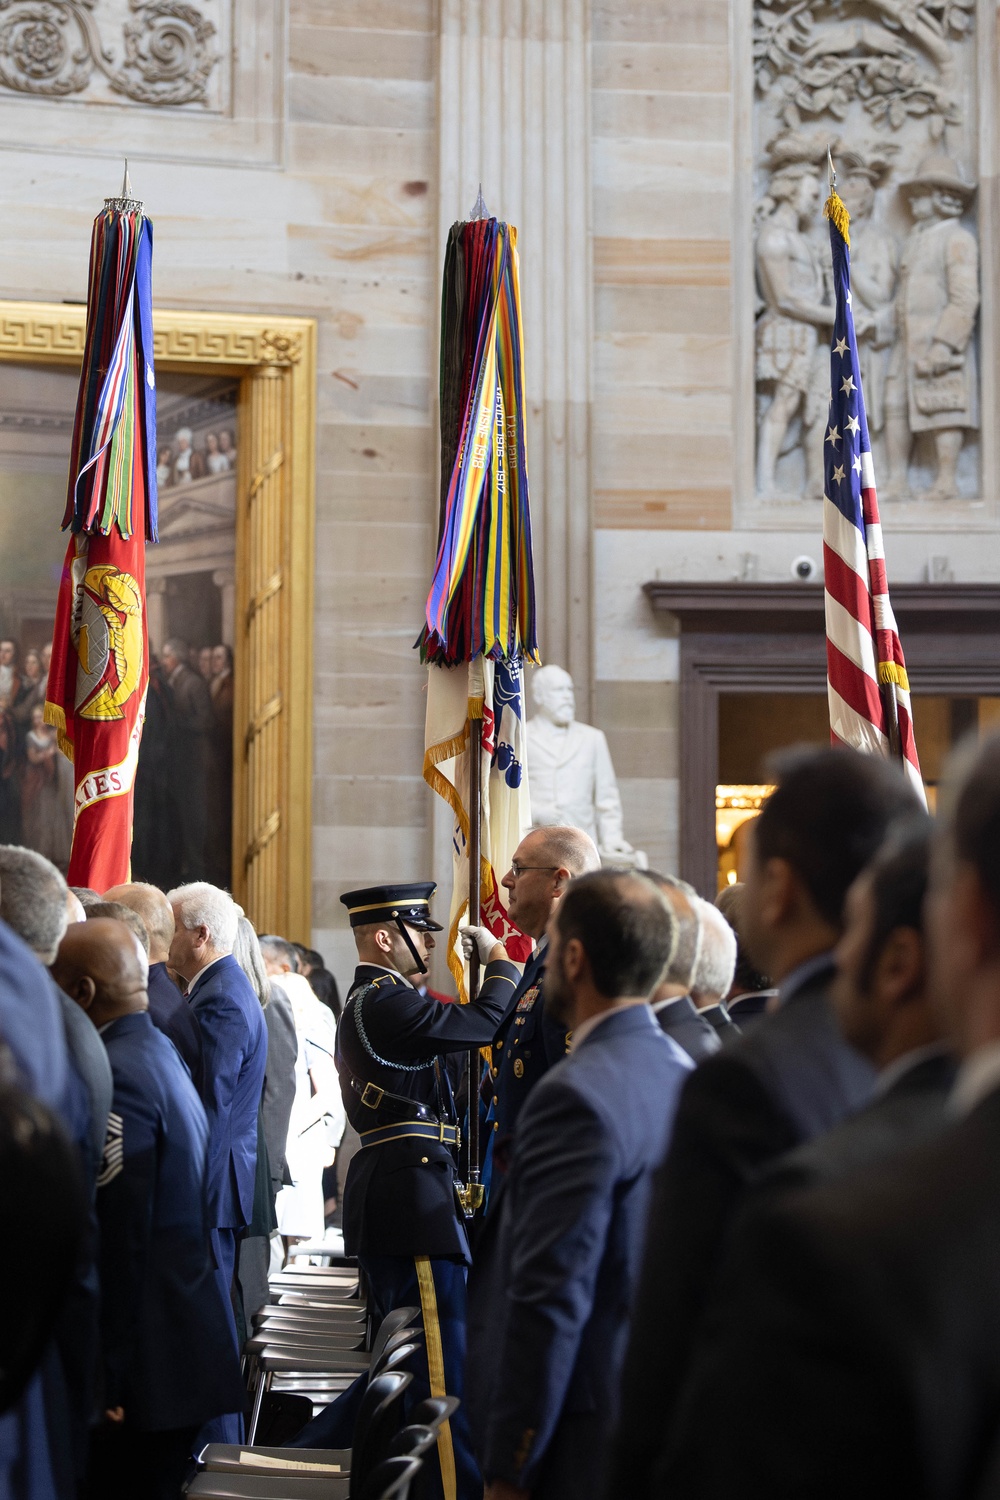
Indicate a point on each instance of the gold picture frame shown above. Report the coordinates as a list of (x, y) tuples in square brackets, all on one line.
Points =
[(274, 360)]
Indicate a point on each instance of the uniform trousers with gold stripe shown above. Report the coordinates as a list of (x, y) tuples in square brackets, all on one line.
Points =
[(437, 1286)]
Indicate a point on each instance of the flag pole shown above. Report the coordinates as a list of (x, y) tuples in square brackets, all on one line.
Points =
[(887, 688), (475, 1191)]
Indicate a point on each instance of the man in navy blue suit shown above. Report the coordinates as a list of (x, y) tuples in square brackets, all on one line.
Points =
[(786, 1081), (168, 1356), (575, 1201), (234, 1054), (528, 1041)]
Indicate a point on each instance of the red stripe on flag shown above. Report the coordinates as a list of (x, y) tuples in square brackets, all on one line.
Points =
[(858, 690), (850, 591)]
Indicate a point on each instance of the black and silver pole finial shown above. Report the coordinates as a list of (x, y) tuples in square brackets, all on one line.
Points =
[(125, 203), (832, 170), (479, 209)]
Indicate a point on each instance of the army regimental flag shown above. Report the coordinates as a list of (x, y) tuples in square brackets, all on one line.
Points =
[(479, 625), (97, 681)]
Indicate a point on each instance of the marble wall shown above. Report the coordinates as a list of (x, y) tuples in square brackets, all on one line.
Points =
[(319, 180)]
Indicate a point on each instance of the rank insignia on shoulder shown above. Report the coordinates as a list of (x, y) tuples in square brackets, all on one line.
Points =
[(528, 999)]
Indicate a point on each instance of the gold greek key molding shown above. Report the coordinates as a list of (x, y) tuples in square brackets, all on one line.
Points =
[(274, 360), (41, 329)]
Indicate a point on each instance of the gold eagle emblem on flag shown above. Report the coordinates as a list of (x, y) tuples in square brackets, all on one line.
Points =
[(109, 644)]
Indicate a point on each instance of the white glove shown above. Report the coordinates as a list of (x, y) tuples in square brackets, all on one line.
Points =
[(477, 938)]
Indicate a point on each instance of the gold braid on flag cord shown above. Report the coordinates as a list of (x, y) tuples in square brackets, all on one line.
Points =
[(892, 672), (835, 209)]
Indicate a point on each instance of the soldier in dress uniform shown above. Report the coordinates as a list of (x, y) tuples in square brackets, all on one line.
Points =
[(401, 1214)]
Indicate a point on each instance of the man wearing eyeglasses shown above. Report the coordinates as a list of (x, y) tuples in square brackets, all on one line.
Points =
[(527, 1043)]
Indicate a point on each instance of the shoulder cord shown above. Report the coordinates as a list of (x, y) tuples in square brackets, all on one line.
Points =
[(362, 1033)]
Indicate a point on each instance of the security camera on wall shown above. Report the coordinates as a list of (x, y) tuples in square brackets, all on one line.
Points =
[(804, 569)]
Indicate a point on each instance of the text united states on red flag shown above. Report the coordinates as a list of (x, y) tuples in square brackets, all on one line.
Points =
[(863, 649)]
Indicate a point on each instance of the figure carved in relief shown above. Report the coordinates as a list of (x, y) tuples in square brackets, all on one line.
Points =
[(932, 385), (874, 275), (792, 361)]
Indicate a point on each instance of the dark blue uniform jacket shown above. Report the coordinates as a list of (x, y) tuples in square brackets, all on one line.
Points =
[(168, 1349), (399, 1198)]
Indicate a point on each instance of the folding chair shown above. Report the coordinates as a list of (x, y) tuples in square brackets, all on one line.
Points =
[(328, 1474)]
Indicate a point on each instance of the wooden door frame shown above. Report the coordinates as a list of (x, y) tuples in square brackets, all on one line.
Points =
[(770, 638)]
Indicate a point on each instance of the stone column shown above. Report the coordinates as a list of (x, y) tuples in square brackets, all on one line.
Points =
[(514, 115), (225, 581)]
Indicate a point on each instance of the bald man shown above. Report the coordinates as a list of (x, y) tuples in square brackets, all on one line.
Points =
[(168, 1009), (169, 1361), (527, 1043)]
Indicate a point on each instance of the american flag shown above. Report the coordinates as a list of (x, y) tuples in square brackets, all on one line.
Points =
[(868, 688)]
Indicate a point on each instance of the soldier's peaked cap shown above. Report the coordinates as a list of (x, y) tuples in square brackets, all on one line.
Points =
[(388, 903)]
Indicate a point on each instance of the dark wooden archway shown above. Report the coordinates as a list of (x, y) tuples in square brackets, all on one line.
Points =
[(770, 637)]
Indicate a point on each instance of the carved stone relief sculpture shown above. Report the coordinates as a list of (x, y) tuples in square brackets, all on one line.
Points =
[(891, 86), (150, 51)]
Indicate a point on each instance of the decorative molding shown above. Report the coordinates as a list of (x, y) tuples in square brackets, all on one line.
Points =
[(54, 48), (238, 120), (274, 360), (52, 333)]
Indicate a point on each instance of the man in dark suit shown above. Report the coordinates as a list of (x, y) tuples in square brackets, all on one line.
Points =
[(788, 1079), (860, 1320), (576, 1198), (34, 899), (234, 1053), (883, 1006), (673, 1007), (167, 1352), (401, 1217), (528, 1041), (169, 1011)]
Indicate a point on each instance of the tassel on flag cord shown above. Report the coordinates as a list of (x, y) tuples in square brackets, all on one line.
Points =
[(867, 683), (100, 664)]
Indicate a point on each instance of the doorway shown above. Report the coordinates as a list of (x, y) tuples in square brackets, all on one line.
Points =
[(767, 641), (754, 726)]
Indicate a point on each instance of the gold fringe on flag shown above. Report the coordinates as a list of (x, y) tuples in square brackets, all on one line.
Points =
[(835, 209), (890, 671)]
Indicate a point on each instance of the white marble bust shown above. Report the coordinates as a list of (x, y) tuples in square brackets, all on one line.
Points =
[(570, 773)]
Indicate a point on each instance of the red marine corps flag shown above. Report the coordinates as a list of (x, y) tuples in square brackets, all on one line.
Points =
[(97, 681)]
